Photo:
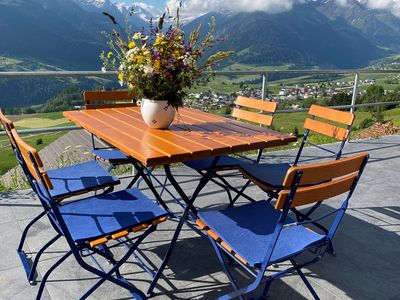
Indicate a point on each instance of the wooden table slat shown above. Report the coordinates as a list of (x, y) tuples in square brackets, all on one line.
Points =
[(193, 135)]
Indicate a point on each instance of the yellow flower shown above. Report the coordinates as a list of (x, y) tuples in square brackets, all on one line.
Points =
[(156, 66), (158, 40), (109, 54), (131, 45), (120, 76)]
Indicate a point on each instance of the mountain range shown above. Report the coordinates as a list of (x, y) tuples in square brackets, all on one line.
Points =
[(68, 34)]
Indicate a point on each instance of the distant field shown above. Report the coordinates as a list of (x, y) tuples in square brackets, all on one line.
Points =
[(53, 119), (40, 123), (284, 122), (7, 156)]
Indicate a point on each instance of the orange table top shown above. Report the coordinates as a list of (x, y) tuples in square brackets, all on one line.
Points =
[(193, 134)]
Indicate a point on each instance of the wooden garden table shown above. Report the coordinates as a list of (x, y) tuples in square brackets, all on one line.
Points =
[(193, 135)]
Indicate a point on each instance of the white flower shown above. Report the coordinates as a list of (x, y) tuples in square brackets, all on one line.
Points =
[(147, 70), (137, 35), (121, 82), (103, 69)]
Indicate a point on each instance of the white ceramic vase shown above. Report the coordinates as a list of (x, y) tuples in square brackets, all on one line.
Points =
[(157, 113)]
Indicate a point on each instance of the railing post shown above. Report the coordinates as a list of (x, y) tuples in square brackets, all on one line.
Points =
[(264, 87), (354, 97), (355, 89)]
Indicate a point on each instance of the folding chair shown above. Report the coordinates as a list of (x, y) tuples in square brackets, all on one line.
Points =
[(67, 182), (257, 235), (270, 177), (244, 111), (89, 225), (108, 99)]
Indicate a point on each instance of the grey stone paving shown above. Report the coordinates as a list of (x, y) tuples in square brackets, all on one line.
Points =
[(367, 264)]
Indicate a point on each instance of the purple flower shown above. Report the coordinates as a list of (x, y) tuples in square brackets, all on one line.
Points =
[(188, 48)]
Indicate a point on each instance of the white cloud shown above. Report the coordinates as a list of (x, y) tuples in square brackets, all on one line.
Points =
[(194, 8), (392, 5)]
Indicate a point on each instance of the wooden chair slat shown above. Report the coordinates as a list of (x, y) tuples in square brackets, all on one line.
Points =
[(266, 106), (25, 150), (8, 125), (325, 171), (343, 117), (108, 99), (252, 117), (107, 95), (333, 131), (110, 105), (320, 192)]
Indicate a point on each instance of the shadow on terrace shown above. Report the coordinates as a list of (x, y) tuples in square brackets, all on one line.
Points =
[(366, 265)]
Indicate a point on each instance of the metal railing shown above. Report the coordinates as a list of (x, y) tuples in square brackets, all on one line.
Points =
[(265, 74)]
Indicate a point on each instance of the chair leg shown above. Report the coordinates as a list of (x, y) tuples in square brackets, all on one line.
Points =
[(168, 253), (37, 258), (226, 190), (239, 194), (225, 267), (303, 277), (49, 271), (330, 248), (267, 287), (25, 232), (21, 253), (108, 275)]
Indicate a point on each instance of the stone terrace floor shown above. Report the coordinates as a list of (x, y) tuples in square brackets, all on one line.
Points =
[(366, 266)]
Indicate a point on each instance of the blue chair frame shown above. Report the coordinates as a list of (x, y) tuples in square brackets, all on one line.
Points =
[(30, 268), (229, 163), (253, 172), (347, 173), (95, 245)]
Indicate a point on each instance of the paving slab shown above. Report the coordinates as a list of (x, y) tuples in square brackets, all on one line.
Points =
[(367, 244)]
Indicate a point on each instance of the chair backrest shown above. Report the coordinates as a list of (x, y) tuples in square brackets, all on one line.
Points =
[(8, 125), (108, 99), (322, 181), (339, 127), (334, 131), (32, 161), (265, 110)]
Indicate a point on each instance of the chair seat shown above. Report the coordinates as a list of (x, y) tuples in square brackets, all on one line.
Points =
[(99, 216), (112, 156), (267, 176), (79, 178), (248, 230), (224, 162)]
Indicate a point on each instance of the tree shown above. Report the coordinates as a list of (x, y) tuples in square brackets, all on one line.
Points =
[(374, 93), (340, 99)]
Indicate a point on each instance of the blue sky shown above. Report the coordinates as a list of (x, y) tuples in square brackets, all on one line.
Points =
[(157, 3)]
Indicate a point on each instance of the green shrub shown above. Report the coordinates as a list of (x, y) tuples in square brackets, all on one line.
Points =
[(39, 141), (295, 131), (366, 123), (378, 116)]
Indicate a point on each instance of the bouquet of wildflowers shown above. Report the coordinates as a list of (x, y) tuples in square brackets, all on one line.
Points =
[(161, 65)]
